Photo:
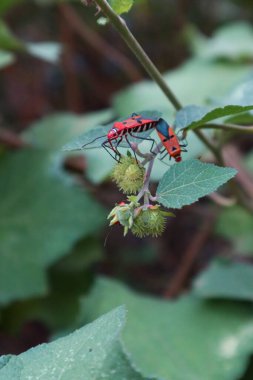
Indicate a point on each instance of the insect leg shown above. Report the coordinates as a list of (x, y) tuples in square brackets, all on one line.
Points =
[(144, 139), (164, 155), (181, 138), (114, 148), (108, 148), (131, 148)]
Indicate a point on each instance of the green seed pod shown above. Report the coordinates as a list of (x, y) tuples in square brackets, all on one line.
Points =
[(120, 168), (150, 222), (128, 175)]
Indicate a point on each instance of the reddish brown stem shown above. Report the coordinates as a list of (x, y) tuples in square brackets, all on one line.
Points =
[(177, 282), (99, 44), (72, 89)]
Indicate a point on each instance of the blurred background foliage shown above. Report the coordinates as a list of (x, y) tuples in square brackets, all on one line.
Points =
[(63, 73)]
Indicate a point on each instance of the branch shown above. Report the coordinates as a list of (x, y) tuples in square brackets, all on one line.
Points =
[(136, 48), (227, 127), (196, 244), (151, 69), (148, 65), (98, 43), (221, 200)]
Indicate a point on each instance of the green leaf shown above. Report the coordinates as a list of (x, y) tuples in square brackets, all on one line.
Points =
[(241, 94), (197, 149), (121, 6), (68, 278), (118, 366), (245, 118), (194, 82), (232, 41), (41, 218), (94, 137), (7, 40), (71, 274), (55, 130), (91, 353), (187, 181), (6, 4), (193, 116), (236, 224), (184, 339), (227, 280), (80, 355), (48, 51), (52, 132), (6, 59)]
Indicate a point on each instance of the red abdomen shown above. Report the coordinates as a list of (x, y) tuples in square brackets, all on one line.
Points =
[(134, 124), (171, 144)]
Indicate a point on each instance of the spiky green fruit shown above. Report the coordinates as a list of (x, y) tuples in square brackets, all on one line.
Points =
[(150, 222), (128, 175)]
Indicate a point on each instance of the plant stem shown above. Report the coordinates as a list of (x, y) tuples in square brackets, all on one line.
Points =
[(136, 48), (100, 45), (145, 188), (148, 65), (154, 73), (227, 127)]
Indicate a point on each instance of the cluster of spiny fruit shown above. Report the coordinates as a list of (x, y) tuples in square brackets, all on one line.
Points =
[(142, 220)]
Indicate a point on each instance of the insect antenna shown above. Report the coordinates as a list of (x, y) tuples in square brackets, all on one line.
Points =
[(91, 142)]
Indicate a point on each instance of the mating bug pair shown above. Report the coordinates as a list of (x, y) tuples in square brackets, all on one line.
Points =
[(138, 127)]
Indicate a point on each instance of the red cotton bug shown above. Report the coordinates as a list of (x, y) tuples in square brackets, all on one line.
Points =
[(171, 144), (170, 141), (128, 130), (123, 132)]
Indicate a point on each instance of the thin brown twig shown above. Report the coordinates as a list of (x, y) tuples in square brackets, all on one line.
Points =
[(73, 93), (99, 44), (177, 282), (227, 127), (221, 200), (121, 26), (75, 164), (154, 73), (150, 68)]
